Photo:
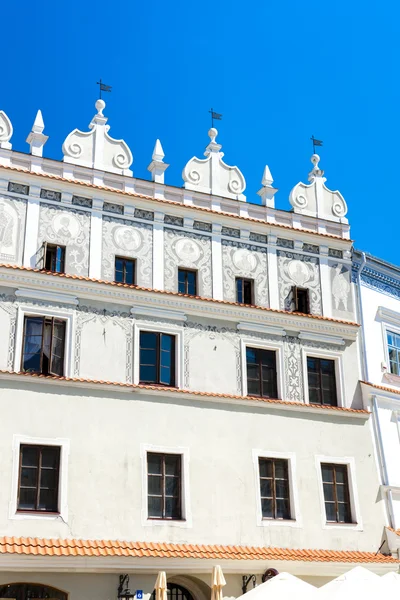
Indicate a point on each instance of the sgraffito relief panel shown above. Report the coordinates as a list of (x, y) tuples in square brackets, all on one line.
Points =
[(128, 239), (8, 317), (190, 250), (302, 271), (293, 370), (245, 260), (69, 228), (342, 302), (12, 227)]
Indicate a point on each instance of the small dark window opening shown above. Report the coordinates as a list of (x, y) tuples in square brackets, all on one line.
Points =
[(244, 290), (301, 300), (157, 358), (187, 282), (261, 373), (274, 488), (336, 493), (321, 381), (164, 486), (39, 471), (43, 345), (125, 270), (54, 258)]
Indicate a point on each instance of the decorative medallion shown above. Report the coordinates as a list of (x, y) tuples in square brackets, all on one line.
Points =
[(127, 238), (66, 226), (298, 272), (244, 260), (187, 249)]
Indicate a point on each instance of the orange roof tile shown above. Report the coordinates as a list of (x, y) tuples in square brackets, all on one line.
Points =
[(173, 202), (55, 547), (381, 387), (164, 389), (144, 289)]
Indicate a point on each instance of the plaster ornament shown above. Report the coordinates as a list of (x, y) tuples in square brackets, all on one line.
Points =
[(157, 167), (96, 149), (316, 199), (211, 175), (187, 250), (36, 139), (340, 288), (244, 260), (267, 192), (7, 222), (6, 131), (127, 238), (66, 227), (298, 272)]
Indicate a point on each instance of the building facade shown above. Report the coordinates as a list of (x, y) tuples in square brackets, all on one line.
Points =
[(179, 373)]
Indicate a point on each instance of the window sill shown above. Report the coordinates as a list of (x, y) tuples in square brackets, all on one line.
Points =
[(160, 385), (154, 522), (265, 522), (161, 520), (333, 525), (36, 514)]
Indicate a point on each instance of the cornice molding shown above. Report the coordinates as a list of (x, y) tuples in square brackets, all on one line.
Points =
[(324, 339), (32, 294)]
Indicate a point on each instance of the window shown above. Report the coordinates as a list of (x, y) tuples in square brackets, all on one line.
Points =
[(39, 468), (54, 259), (187, 282), (157, 358), (336, 493), (274, 488), (261, 373), (393, 340), (321, 381), (244, 290), (22, 591), (164, 486), (43, 345), (300, 300), (174, 592), (125, 270)]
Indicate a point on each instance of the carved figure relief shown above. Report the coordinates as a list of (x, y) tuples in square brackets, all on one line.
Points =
[(342, 304), (189, 250), (245, 260), (132, 239), (302, 271), (12, 223)]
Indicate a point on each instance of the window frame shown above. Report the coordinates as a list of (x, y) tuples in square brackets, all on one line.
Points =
[(134, 263), (348, 461), (53, 320), (389, 323), (346, 487), (260, 378), (163, 455), (38, 486), (56, 246), (158, 349), (186, 511), (296, 519), (64, 445), (195, 271), (252, 293), (339, 376), (320, 387), (280, 368)]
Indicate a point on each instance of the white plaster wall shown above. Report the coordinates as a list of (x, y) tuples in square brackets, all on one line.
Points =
[(5, 323), (107, 428), (103, 352)]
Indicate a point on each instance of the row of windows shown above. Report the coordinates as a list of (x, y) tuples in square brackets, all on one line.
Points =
[(125, 272), (44, 343), (39, 474)]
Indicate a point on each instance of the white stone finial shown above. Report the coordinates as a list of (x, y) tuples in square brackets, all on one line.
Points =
[(157, 167), (36, 139), (6, 131), (267, 192), (96, 149), (212, 175)]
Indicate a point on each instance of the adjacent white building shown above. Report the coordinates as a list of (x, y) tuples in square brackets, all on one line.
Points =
[(179, 376)]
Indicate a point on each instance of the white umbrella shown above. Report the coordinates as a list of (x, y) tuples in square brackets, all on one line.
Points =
[(283, 586), (357, 583), (161, 586), (217, 583)]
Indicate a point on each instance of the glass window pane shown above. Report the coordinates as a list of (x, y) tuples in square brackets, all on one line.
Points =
[(327, 473), (266, 488), (27, 499), (329, 493), (166, 376), (154, 505), (48, 500), (341, 474), (281, 488), (148, 356), (148, 339), (155, 485), (344, 513), (148, 374), (311, 363), (172, 486), (172, 508), (251, 356), (265, 467), (267, 508), (172, 464), (28, 477), (280, 468), (330, 511), (154, 463), (30, 456), (282, 509), (253, 388)]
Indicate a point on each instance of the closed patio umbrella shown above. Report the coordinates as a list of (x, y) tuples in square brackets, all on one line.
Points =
[(217, 583), (161, 586)]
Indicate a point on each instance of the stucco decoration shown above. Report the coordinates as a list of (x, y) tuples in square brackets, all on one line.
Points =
[(316, 199), (6, 131), (12, 226), (69, 228), (190, 250), (96, 149), (211, 175), (293, 369), (245, 260), (132, 240), (342, 304), (8, 328), (302, 271)]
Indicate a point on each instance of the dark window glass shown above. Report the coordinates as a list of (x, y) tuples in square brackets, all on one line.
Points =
[(187, 282), (124, 270), (54, 258), (393, 340), (43, 345), (157, 358), (244, 290), (321, 381), (164, 486), (274, 488), (39, 468), (261, 373), (300, 300), (336, 493), (174, 592)]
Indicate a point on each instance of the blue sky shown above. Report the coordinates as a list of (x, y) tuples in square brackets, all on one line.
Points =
[(279, 71)]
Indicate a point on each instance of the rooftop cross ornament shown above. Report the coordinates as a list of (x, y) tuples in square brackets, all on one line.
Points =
[(103, 87), (315, 143), (214, 116)]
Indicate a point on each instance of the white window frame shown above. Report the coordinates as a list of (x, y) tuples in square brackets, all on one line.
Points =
[(353, 492), (389, 327), (186, 521), (174, 330), (41, 311), (339, 375), (64, 445), (296, 519), (277, 347)]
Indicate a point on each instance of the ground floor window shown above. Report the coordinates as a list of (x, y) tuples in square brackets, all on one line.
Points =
[(176, 592), (23, 591)]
